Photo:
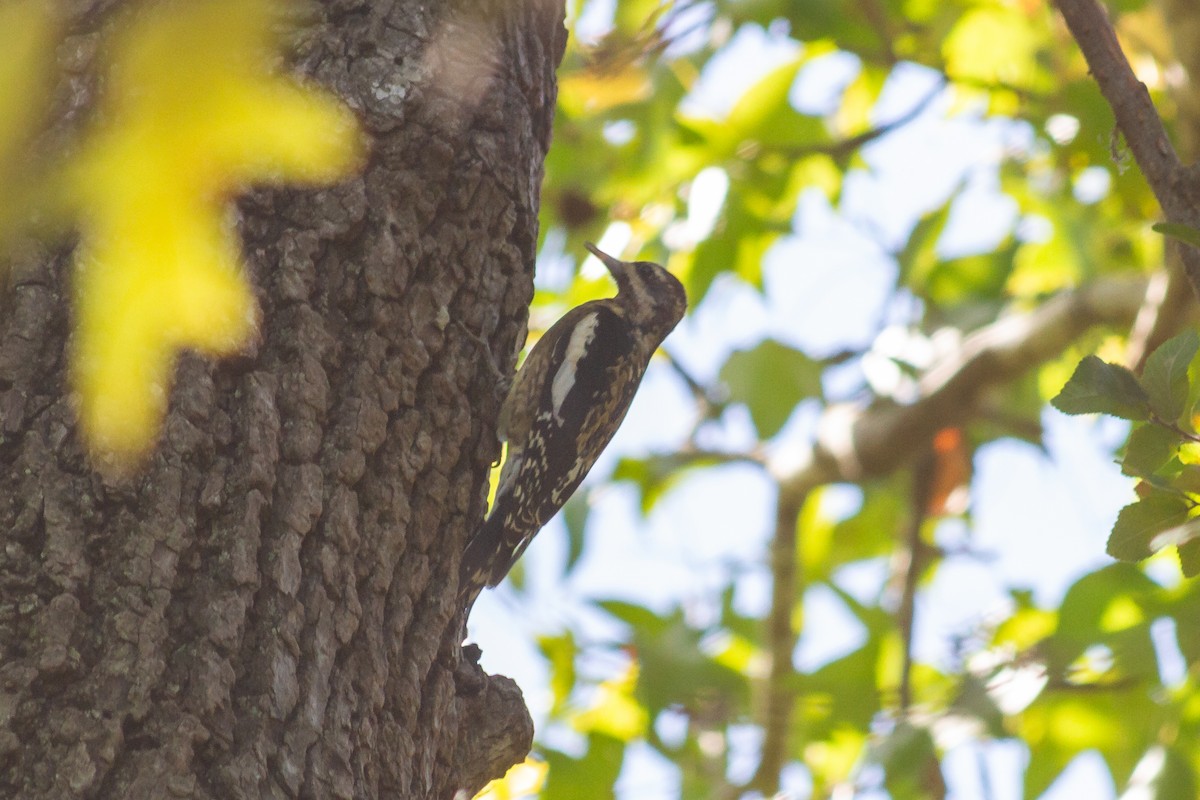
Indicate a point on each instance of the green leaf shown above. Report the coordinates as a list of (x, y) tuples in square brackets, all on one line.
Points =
[(675, 668), (635, 17), (1149, 448), (597, 770), (1165, 377), (817, 19), (1098, 387), (749, 628), (839, 694), (771, 379), (1184, 608), (1060, 725), (1177, 535), (638, 617), (869, 533), (764, 114), (1126, 7), (1138, 524), (1133, 653), (716, 255), (1162, 774), (712, 257), (973, 701), (1085, 614), (918, 258), (1189, 559), (1184, 478), (980, 277), (560, 652), (909, 760), (741, 250), (1184, 233), (575, 514), (516, 577), (993, 44), (655, 475)]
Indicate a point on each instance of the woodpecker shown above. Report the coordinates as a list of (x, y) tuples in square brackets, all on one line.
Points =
[(565, 404)]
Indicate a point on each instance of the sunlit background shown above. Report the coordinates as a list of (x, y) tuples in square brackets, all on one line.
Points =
[(1038, 515), (851, 190)]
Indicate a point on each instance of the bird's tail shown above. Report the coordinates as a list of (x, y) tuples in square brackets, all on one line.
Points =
[(478, 566)]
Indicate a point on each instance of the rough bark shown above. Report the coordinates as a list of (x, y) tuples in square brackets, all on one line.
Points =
[(269, 609)]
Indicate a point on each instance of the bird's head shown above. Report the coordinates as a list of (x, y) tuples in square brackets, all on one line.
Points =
[(650, 295)]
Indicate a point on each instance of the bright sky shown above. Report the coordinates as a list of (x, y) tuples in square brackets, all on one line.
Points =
[(1044, 515)]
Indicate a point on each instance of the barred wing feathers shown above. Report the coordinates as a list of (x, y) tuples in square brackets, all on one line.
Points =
[(561, 413)]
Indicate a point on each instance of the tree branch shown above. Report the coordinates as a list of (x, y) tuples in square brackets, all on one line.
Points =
[(1169, 306), (855, 443), (1176, 187), (710, 401), (779, 697)]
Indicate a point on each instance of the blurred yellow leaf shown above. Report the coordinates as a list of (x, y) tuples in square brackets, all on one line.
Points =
[(1047, 266), (858, 101), (192, 114), (993, 45), (1025, 628), (1121, 613), (743, 656), (522, 780), (591, 91), (1059, 726), (615, 712), (763, 103), (1189, 452), (832, 759)]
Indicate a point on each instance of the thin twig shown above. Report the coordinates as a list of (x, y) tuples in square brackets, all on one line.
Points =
[(779, 696), (842, 148), (1175, 187), (702, 394), (693, 455), (922, 489), (1174, 428)]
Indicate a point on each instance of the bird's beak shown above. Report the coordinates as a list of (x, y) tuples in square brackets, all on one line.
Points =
[(614, 265)]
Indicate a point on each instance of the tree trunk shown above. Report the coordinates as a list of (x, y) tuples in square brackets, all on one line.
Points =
[(268, 609)]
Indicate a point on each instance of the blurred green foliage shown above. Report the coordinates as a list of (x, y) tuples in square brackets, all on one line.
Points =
[(1058, 681), (1163, 452)]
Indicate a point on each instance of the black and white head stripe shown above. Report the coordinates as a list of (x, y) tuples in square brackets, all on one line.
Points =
[(652, 296)]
